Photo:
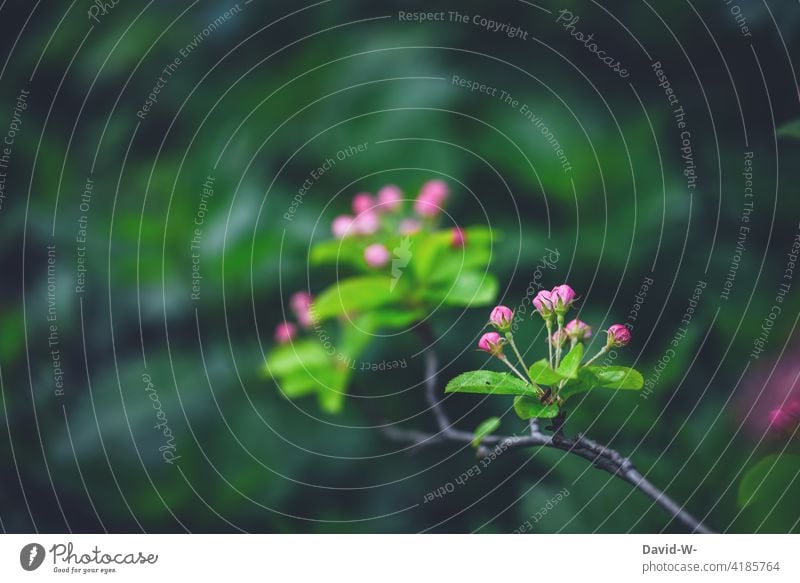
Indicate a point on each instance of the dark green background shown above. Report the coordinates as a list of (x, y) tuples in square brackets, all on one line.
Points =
[(273, 102)]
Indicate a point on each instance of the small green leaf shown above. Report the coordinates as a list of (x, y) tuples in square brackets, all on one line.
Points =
[(617, 377), (790, 130), (296, 357), (770, 480), (487, 427), (357, 294), (487, 382), (585, 382), (542, 374), (349, 251), (532, 407), (569, 365), (471, 288)]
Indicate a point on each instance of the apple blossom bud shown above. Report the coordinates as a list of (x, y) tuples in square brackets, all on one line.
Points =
[(362, 203), (578, 330), (376, 255), (409, 226), (543, 302), (342, 226), (458, 240), (563, 297), (785, 420), (559, 338), (501, 318), (300, 303), (618, 336), (431, 198), (492, 343), (285, 332), (367, 223), (390, 198)]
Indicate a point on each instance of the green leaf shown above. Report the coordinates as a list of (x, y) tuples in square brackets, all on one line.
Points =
[(617, 377), (357, 294), (297, 384), (772, 478), (348, 251), (532, 407), (569, 365), (471, 288), (790, 130), (296, 357), (487, 382), (585, 382), (542, 374), (487, 427)]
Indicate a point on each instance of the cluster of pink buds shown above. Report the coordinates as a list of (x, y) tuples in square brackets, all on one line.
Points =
[(300, 304), (372, 215), (555, 302), (785, 420)]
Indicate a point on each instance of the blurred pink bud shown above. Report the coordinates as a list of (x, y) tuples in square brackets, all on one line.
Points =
[(409, 226), (543, 302), (563, 297), (362, 202), (492, 343), (618, 335), (431, 198), (376, 255), (285, 332), (578, 330), (342, 226), (559, 337), (390, 198), (459, 239), (785, 419), (501, 318), (300, 302), (367, 223)]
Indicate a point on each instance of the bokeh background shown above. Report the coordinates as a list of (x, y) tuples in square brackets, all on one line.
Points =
[(264, 99)]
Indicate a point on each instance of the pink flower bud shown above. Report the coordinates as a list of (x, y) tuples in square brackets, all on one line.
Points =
[(578, 330), (431, 198), (376, 255), (501, 318), (618, 336), (390, 198), (342, 226), (559, 337), (409, 226), (285, 332), (563, 297), (543, 302), (367, 223), (492, 343), (785, 419), (458, 238), (300, 302), (362, 203)]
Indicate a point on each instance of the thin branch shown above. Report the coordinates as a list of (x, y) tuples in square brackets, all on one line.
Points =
[(600, 456)]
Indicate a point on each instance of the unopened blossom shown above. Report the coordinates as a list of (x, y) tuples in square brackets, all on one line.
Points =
[(409, 226), (376, 255), (431, 198), (578, 330), (300, 302), (501, 318), (618, 335), (285, 332), (785, 420), (458, 239), (559, 338), (543, 302), (492, 343), (362, 202), (367, 223), (390, 198), (342, 226), (562, 296)]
